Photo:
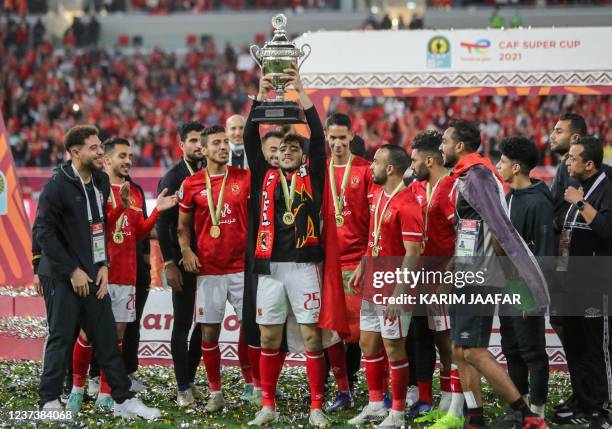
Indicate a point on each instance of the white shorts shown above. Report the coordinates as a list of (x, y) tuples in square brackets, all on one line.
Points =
[(123, 301), (212, 294), (370, 320), (289, 285), (437, 317)]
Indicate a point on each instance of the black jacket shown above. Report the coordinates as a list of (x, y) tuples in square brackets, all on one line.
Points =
[(531, 213), (560, 183), (168, 220), (62, 228)]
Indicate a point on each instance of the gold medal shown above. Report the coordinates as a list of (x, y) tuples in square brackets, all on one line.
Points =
[(215, 231), (288, 218), (118, 237), (339, 220), (375, 251), (288, 196), (379, 219), (215, 211)]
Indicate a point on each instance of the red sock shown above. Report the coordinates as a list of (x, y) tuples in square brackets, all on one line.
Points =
[(283, 356), (445, 381), (269, 369), (316, 371), (425, 391), (337, 361), (374, 372), (254, 354), (455, 381), (212, 362), (104, 386), (81, 358), (386, 370), (399, 384), (243, 360)]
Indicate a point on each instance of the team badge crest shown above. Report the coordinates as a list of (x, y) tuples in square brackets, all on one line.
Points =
[(235, 187), (355, 182)]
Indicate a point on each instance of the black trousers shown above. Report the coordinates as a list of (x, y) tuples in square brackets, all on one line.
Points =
[(421, 350), (186, 352), (66, 311), (587, 349), (524, 344)]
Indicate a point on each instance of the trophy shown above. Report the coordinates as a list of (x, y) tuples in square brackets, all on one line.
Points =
[(277, 55)]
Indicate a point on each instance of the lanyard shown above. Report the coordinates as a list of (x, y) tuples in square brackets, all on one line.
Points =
[(188, 167), (600, 179), (338, 201), (429, 196), (96, 192), (215, 212), (378, 219)]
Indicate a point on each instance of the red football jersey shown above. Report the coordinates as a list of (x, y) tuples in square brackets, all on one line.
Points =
[(353, 235), (224, 254), (419, 189), (402, 221), (440, 220), (134, 227)]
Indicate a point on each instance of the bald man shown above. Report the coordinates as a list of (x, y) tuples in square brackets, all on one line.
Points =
[(234, 128)]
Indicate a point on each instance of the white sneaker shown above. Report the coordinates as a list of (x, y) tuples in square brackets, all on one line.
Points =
[(263, 417), (137, 385), (215, 403), (93, 386), (185, 398), (51, 406), (412, 396), (134, 407), (371, 412), (318, 419), (395, 419), (256, 398), (196, 392)]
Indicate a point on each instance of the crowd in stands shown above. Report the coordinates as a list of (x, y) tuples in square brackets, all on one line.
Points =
[(145, 96)]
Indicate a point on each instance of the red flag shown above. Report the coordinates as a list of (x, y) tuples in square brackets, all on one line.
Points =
[(334, 316)]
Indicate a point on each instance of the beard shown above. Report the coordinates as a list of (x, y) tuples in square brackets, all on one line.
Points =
[(92, 166), (450, 160), (421, 175), (380, 179), (561, 149)]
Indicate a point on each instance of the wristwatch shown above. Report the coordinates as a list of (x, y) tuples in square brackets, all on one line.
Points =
[(580, 205)]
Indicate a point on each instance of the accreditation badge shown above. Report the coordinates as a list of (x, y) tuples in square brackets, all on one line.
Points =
[(467, 237), (98, 242)]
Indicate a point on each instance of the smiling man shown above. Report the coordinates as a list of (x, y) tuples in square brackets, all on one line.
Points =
[(72, 234), (214, 203)]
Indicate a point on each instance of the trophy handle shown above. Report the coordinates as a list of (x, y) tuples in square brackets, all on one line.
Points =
[(254, 51), (305, 53)]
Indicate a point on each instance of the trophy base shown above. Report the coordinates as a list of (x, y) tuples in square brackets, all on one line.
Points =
[(278, 112)]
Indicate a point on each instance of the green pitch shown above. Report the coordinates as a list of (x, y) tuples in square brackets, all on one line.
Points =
[(19, 381)]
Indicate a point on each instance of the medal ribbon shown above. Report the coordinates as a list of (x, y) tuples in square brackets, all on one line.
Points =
[(288, 194), (338, 202), (215, 212), (119, 223), (378, 219)]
